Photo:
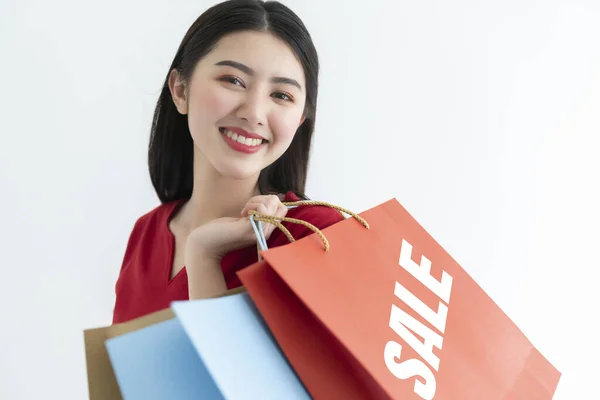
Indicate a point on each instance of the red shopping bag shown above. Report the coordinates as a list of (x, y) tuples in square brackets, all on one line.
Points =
[(387, 313)]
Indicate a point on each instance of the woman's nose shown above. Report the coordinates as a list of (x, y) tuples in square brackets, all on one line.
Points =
[(253, 110)]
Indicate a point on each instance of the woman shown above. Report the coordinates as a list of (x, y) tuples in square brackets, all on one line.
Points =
[(231, 133)]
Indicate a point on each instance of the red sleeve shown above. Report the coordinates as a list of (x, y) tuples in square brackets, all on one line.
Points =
[(132, 242), (132, 249)]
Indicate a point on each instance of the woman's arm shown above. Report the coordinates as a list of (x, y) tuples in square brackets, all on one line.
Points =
[(205, 277)]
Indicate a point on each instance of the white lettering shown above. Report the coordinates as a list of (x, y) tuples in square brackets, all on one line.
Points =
[(402, 323), (407, 327), (438, 320), (423, 273), (408, 369)]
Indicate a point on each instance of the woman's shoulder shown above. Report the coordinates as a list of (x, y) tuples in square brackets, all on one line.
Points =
[(148, 233), (156, 218)]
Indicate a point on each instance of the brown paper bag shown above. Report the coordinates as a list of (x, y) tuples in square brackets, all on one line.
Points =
[(102, 383)]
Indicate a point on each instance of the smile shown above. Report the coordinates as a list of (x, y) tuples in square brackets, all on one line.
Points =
[(242, 139), (241, 143)]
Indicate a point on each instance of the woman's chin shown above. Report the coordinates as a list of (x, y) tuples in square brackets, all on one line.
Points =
[(238, 173)]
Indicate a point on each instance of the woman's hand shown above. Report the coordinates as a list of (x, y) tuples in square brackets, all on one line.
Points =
[(218, 237), (207, 244)]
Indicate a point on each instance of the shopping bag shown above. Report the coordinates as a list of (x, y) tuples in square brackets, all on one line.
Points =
[(102, 383), (387, 313), (216, 348), (213, 349)]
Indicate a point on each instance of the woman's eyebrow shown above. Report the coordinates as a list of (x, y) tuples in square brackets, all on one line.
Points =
[(247, 70)]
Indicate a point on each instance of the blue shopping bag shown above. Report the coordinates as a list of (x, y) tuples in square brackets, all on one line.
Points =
[(213, 349)]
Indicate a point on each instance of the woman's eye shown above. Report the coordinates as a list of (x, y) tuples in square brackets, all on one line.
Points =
[(282, 96), (233, 80)]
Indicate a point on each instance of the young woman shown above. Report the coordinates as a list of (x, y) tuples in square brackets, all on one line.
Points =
[(231, 133)]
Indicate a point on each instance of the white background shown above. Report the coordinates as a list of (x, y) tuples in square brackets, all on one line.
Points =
[(482, 118)]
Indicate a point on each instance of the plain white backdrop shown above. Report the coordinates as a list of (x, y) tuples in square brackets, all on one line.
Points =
[(482, 118)]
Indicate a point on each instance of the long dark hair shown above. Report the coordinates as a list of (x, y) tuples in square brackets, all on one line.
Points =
[(170, 154)]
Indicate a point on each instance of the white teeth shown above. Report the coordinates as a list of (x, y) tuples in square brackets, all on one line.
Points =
[(242, 139)]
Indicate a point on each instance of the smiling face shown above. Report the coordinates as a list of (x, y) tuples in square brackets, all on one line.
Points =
[(244, 102)]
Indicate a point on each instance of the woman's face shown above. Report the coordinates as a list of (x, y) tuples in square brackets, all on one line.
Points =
[(244, 102)]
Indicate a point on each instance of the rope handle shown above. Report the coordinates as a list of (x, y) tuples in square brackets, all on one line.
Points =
[(255, 217)]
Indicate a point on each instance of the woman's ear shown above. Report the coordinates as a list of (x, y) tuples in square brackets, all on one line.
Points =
[(178, 92), (302, 121)]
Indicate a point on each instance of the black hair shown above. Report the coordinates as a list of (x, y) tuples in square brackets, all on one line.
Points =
[(170, 153)]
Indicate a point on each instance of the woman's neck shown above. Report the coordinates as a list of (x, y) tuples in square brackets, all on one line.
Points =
[(215, 196)]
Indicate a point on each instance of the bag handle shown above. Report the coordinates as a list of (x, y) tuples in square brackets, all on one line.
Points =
[(257, 218)]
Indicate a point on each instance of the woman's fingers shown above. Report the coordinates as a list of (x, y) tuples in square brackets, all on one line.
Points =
[(255, 206), (280, 212), (270, 202), (268, 205)]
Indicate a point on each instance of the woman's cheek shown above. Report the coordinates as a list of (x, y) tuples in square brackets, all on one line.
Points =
[(213, 102), (284, 129)]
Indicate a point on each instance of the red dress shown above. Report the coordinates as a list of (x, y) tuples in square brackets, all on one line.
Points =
[(144, 283)]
